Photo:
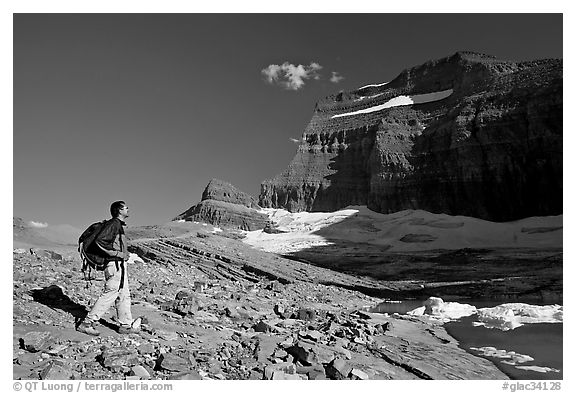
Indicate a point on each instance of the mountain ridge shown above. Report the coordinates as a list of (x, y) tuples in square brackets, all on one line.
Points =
[(491, 149)]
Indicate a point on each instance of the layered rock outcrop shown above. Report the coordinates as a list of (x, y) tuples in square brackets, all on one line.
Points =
[(465, 135), (223, 205)]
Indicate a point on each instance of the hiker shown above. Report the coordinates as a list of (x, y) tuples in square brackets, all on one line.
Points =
[(110, 243)]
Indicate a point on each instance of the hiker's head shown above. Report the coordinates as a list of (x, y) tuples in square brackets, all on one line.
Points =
[(119, 208)]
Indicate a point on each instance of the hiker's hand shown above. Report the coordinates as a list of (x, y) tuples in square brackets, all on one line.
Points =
[(125, 255)]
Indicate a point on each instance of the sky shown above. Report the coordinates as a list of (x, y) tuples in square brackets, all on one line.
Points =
[(147, 108)]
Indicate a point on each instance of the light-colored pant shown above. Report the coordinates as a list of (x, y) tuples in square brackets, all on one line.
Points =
[(111, 294)]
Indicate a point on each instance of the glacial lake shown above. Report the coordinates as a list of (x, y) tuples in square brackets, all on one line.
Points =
[(541, 341)]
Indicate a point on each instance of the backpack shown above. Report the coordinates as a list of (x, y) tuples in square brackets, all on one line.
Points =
[(91, 260)]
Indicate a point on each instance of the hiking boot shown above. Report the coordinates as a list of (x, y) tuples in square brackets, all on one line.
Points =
[(127, 330), (134, 328), (86, 327)]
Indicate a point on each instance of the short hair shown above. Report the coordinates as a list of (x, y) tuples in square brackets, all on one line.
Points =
[(115, 208)]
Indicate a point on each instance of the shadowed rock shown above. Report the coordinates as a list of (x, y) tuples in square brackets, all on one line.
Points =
[(491, 149)]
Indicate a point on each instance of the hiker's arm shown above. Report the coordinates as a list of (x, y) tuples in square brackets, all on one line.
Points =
[(112, 253)]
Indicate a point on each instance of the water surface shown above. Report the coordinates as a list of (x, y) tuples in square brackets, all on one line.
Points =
[(541, 341)]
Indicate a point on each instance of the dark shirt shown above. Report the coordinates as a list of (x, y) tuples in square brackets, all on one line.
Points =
[(113, 232)]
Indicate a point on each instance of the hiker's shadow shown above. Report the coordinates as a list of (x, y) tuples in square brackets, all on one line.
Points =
[(53, 297)]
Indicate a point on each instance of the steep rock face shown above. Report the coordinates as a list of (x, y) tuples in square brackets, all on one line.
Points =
[(222, 191), (481, 137), (224, 205)]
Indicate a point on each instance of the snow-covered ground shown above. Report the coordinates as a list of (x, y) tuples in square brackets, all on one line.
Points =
[(400, 101), (408, 230), (134, 258)]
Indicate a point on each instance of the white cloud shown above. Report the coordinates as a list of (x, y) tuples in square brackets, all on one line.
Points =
[(35, 224), (291, 76), (336, 77), (295, 140)]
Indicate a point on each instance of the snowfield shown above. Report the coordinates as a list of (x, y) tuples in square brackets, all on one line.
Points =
[(400, 101), (425, 231), (408, 230)]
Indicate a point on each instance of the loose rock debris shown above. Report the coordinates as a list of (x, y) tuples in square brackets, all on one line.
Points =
[(198, 325)]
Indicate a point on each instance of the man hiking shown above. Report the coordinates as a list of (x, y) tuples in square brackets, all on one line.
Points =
[(111, 244)]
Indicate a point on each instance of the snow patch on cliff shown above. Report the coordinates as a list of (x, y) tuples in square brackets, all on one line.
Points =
[(400, 101), (368, 97), (380, 84)]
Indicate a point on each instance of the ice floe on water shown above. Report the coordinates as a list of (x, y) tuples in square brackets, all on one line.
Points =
[(506, 316), (538, 369), (400, 101), (512, 315), (445, 311), (512, 358)]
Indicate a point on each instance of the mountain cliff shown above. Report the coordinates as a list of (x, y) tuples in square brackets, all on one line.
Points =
[(224, 205), (464, 135)]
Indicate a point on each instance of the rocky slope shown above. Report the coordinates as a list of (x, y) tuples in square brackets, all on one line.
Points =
[(482, 138), (224, 205), (214, 308)]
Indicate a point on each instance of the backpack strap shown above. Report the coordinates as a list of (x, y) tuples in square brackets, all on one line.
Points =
[(122, 263), (86, 267)]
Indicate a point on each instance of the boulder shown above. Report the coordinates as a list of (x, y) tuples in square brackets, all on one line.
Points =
[(35, 341), (308, 353), (185, 303), (56, 371), (307, 314), (46, 254), (264, 327), (358, 374), (338, 369), (232, 313), (139, 371), (190, 375), (171, 362), (314, 372), (313, 335), (118, 357), (284, 368)]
